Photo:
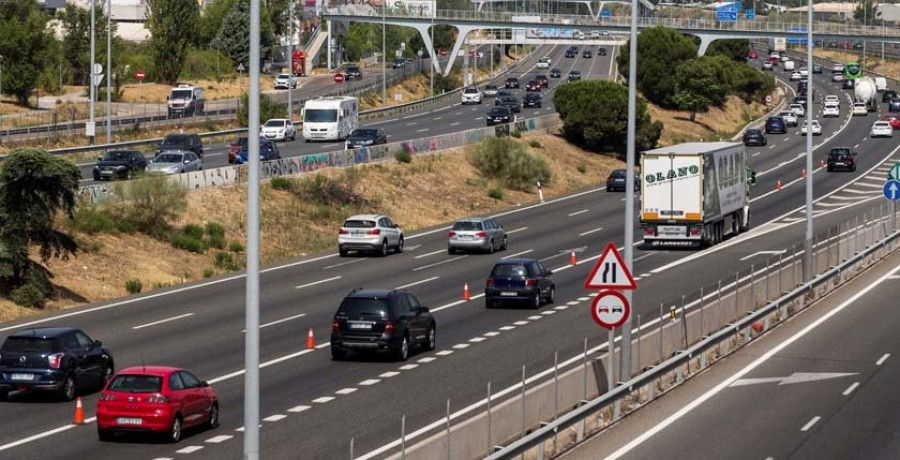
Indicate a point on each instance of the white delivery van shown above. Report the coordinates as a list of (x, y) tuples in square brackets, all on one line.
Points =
[(330, 118), (880, 84), (789, 65)]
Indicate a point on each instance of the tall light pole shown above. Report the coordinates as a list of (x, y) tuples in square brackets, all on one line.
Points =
[(108, 72), (383, 61), (290, 54), (625, 366), (808, 242), (91, 125), (251, 320), (433, 58), (1, 96)]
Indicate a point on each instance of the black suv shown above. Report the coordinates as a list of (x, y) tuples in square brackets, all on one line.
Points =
[(755, 137), (190, 142), (887, 95), (601, 52), (555, 73), (499, 115), (61, 360), (119, 164), (841, 158), (379, 320), (509, 101), (532, 100), (353, 73), (512, 82), (519, 281), (587, 54)]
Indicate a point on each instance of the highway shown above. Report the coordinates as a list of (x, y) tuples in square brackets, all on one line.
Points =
[(312, 406), (821, 386)]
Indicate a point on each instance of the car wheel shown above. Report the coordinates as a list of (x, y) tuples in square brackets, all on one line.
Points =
[(338, 354), (384, 249), (4, 394), (342, 252), (505, 243), (491, 248), (451, 250), (108, 372), (67, 393), (551, 299), (536, 302), (175, 430), (399, 247), (213, 421), (402, 352), (104, 435), (431, 344)]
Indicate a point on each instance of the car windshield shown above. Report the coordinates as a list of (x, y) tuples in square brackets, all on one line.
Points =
[(320, 115), (359, 224), (181, 94), (126, 383), (116, 156), (358, 307), (467, 225), (840, 151), (785, 114), (509, 270), (859, 104), (471, 90), (177, 139), (283, 76), (275, 124), (35, 345), (168, 158), (364, 133), (353, 69), (498, 112), (753, 132), (619, 173), (774, 120), (882, 124), (490, 87)]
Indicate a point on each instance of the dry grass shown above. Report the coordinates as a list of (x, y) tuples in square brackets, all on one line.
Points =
[(410, 89), (228, 88), (873, 62), (717, 124)]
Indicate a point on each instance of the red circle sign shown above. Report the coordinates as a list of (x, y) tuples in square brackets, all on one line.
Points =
[(140, 75), (443, 52), (768, 99), (610, 309), (338, 78)]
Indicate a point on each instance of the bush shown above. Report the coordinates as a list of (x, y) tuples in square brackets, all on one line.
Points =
[(202, 64), (134, 286), (496, 193), (326, 191), (93, 220), (193, 231), (582, 168), (282, 183), (223, 260), (217, 242), (515, 134), (28, 295), (403, 157), (267, 109), (236, 246), (187, 242), (503, 159), (208, 272), (215, 229), (535, 144), (150, 204)]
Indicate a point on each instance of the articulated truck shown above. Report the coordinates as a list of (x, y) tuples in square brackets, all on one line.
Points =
[(694, 194)]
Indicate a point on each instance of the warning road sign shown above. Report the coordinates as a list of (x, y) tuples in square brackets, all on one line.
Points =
[(610, 309), (610, 272)]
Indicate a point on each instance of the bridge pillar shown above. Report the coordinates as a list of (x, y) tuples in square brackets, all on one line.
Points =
[(462, 32), (591, 9), (704, 44), (425, 33)]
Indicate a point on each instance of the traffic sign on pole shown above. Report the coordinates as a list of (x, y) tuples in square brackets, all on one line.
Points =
[(750, 14), (610, 272), (338, 77), (892, 190), (894, 173), (610, 309), (140, 75)]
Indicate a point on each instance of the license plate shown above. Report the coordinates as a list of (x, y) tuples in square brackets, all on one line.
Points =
[(28, 377), (465, 237), (671, 229), (360, 326), (508, 294), (357, 234), (129, 421), (839, 164)]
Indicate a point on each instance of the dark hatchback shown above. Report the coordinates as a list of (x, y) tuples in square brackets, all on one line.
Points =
[(58, 360), (509, 101), (776, 125), (555, 73), (543, 80), (841, 158), (571, 53), (888, 95), (532, 101), (190, 142), (499, 115), (601, 52), (616, 181), (365, 136), (381, 321), (574, 75), (587, 54), (532, 86), (755, 137), (519, 281), (268, 151), (353, 73), (512, 82), (848, 84), (119, 164), (894, 105)]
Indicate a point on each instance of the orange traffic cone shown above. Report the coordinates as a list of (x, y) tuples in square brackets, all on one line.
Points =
[(466, 292), (310, 340), (803, 174), (778, 185), (79, 412), (572, 259)]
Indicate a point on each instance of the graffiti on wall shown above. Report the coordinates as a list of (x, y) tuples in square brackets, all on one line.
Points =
[(217, 177)]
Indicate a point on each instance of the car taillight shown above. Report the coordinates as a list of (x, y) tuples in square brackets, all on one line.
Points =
[(389, 327), (489, 282), (648, 231), (377, 231), (335, 326), (55, 360), (530, 282), (107, 397), (451, 234), (481, 234), (343, 232), (695, 231), (157, 399)]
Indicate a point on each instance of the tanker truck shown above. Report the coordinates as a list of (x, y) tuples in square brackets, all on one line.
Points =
[(865, 91)]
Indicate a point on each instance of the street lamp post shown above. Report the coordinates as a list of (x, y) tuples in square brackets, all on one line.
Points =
[(91, 125), (384, 59), (108, 72), (808, 242), (290, 56), (625, 366)]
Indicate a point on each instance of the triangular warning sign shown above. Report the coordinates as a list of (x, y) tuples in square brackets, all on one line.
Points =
[(610, 272)]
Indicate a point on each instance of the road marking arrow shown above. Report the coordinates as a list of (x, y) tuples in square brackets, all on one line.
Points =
[(796, 377)]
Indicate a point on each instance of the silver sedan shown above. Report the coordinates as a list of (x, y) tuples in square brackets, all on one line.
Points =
[(175, 162), (476, 233)]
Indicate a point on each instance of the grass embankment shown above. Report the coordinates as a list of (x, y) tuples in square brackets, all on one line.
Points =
[(873, 62), (717, 124)]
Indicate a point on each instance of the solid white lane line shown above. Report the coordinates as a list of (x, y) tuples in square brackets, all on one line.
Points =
[(388, 375), (323, 399), (520, 229), (578, 212), (275, 418), (810, 423), (317, 282), (440, 263), (174, 318), (298, 409), (850, 388), (517, 254), (429, 254), (882, 359), (345, 391), (408, 367), (283, 320), (417, 283), (188, 450), (444, 353), (590, 231)]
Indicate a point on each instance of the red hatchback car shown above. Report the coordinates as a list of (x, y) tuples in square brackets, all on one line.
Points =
[(893, 120), (158, 400)]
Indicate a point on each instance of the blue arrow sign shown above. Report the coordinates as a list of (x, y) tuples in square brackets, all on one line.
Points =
[(892, 190), (749, 14), (606, 13)]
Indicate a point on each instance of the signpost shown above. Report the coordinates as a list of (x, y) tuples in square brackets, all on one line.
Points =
[(338, 77), (749, 14), (140, 75), (892, 193), (610, 308)]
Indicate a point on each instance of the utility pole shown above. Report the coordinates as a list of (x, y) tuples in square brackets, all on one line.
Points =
[(384, 61), (108, 72), (808, 242), (434, 59), (290, 54), (251, 323), (625, 366), (91, 126)]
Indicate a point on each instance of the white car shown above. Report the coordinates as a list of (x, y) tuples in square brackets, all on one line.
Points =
[(881, 129), (278, 129), (544, 63), (775, 55), (859, 108), (471, 95), (785, 58), (790, 119), (832, 98), (816, 128), (285, 81), (837, 77), (798, 110), (796, 76), (804, 71), (831, 110)]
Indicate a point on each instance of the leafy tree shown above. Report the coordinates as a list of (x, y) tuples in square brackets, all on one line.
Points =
[(699, 86), (173, 26), (278, 15), (267, 109), (736, 50), (35, 187), (24, 43), (595, 115), (866, 11), (76, 42), (233, 38), (211, 21), (660, 51)]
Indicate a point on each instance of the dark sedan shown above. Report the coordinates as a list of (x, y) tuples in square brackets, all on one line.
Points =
[(601, 52), (776, 125), (512, 82), (894, 105), (365, 136), (498, 116), (571, 53), (888, 95), (353, 73), (532, 101), (555, 73), (520, 281), (848, 84), (616, 181), (532, 86), (509, 101), (587, 54), (574, 75), (543, 80), (119, 164), (754, 137)]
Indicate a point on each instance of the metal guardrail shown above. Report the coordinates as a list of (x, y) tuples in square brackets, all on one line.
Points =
[(805, 293)]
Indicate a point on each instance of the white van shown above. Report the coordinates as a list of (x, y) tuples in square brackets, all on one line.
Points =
[(330, 118), (789, 65), (880, 84)]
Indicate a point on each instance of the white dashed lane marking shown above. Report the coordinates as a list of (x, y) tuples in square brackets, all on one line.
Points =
[(188, 450), (298, 409), (218, 439), (369, 382), (388, 375), (408, 367), (426, 360), (275, 418), (323, 399), (345, 391), (444, 352)]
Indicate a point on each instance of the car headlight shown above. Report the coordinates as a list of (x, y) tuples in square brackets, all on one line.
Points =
[(96, 168), (369, 142), (173, 168)]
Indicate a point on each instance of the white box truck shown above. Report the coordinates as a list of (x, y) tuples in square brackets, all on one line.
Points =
[(330, 118), (694, 194)]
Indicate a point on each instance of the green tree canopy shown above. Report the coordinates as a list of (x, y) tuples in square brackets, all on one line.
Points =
[(866, 11), (233, 38), (35, 187), (660, 52), (76, 42), (24, 43), (211, 21), (700, 86), (173, 26), (595, 115), (736, 50)]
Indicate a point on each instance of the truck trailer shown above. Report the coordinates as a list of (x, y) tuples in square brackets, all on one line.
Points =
[(694, 194)]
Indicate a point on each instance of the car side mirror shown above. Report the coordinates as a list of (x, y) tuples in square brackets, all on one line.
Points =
[(98, 344), (752, 177)]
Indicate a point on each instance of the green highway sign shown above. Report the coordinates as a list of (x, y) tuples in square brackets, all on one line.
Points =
[(894, 173)]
